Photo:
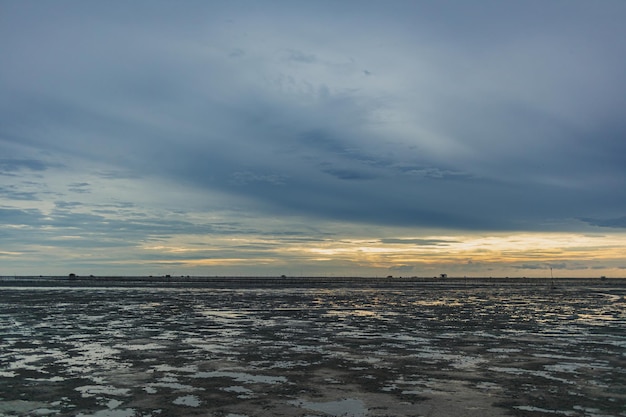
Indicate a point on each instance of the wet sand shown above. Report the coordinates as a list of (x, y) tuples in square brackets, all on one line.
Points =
[(295, 348)]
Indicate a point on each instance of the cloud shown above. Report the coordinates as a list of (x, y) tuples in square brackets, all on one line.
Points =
[(402, 269), (345, 174), (533, 266), (299, 56), (8, 166), (79, 187), (619, 222), (418, 242), (20, 217), (62, 205), (12, 192), (378, 117), (246, 177)]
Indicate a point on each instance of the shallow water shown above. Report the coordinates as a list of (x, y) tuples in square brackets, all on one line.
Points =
[(518, 349)]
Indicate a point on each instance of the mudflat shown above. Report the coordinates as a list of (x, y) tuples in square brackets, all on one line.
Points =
[(454, 349)]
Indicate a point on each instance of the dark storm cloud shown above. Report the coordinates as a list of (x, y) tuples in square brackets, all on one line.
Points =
[(484, 116), (618, 222)]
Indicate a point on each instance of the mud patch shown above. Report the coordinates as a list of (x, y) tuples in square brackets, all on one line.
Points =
[(490, 350)]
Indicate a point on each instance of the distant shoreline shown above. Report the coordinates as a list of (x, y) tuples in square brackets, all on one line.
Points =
[(286, 281)]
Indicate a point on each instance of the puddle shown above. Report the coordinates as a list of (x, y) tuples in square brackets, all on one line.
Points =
[(242, 391), (20, 406), (504, 350), (171, 368), (45, 412), (488, 386), (146, 346), (533, 409), (95, 390), (160, 349), (113, 404), (51, 379), (188, 401), (591, 412)]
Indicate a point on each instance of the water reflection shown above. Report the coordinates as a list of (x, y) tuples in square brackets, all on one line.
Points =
[(144, 349)]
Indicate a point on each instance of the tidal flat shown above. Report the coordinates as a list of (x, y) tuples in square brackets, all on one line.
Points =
[(459, 348)]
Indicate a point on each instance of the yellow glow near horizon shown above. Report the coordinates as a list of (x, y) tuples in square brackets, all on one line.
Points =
[(501, 251), (220, 262)]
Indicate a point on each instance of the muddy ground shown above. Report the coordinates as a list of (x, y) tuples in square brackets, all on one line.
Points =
[(495, 349)]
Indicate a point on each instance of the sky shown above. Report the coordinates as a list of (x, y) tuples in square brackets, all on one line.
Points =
[(326, 138)]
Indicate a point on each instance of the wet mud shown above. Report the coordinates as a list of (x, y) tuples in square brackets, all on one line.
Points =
[(462, 350)]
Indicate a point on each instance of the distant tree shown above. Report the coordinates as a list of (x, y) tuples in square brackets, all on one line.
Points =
[(72, 275)]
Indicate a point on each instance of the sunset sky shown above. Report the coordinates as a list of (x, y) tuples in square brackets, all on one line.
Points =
[(405, 138)]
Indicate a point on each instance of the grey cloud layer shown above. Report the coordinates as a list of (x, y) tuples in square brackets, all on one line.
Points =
[(490, 116)]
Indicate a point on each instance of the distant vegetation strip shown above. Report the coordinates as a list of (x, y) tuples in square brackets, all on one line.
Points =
[(285, 281)]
